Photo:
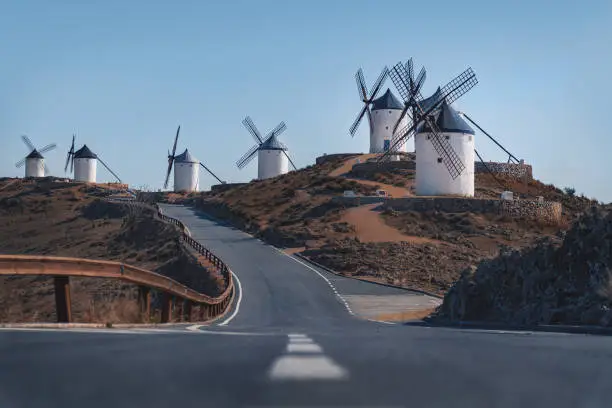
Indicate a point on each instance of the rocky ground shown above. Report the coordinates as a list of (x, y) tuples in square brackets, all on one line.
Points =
[(63, 219), (550, 283), (427, 251)]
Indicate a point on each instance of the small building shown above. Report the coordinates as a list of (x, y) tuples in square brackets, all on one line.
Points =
[(186, 172), (432, 175), (272, 159), (34, 164), (85, 165)]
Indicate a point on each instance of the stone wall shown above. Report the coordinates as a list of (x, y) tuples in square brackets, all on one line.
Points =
[(363, 169), (327, 157), (518, 171), (548, 212)]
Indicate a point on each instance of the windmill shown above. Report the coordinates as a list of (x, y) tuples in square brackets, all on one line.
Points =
[(437, 148), (273, 157), (383, 112), (84, 163), (186, 174), (34, 162)]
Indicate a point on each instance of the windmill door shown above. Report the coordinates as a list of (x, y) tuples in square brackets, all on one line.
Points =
[(387, 145)]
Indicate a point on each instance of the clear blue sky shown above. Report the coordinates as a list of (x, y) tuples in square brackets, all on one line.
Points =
[(124, 74)]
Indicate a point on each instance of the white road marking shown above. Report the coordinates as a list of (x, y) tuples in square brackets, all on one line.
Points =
[(306, 368), (303, 348), (331, 285), (294, 365), (238, 302)]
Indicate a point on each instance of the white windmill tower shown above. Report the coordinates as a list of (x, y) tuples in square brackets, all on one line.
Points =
[(186, 169), (272, 156), (84, 162), (186, 174), (431, 178), (382, 116), (444, 143), (34, 161)]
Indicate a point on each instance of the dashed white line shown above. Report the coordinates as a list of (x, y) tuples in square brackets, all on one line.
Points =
[(305, 361), (303, 348), (331, 285)]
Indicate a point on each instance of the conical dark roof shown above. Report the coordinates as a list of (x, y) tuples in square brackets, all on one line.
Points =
[(448, 121), (185, 157), (84, 153), (272, 144), (427, 103), (34, 155), (387, 101)]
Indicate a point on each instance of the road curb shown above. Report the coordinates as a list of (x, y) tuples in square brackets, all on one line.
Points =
[(318, 265), (594, 330)]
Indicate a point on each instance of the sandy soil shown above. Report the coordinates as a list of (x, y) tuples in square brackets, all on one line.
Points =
[(371, 227)]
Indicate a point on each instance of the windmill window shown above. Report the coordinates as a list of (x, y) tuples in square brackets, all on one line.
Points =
[(439, 160), (389, 112), (387, 127), (470, 139), (447, 137)]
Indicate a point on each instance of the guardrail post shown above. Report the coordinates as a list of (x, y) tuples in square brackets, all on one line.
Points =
[(144, 302), (188, 311), (62, 299), (166, 312), (179, 308)]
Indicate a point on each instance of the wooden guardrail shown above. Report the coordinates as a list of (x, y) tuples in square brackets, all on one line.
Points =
[(173, 292)]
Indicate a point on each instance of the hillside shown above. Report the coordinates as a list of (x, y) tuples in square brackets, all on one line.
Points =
[(422, 250), (546, 284), (69, 219)]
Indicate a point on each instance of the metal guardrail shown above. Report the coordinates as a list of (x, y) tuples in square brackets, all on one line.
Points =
[(174, 293)]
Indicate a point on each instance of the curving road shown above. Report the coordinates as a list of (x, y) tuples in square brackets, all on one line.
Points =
[(293, 343)]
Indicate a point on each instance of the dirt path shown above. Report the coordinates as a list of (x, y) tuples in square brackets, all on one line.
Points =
[(370, 227), (348, 164)]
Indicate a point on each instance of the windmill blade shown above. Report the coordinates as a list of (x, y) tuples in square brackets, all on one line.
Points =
[(280, 128), (69, 155), (175, 140), (361, 85), (211, 173), (47, 171), (71, 163), (418, 83), (247, 157), (248, 123), (378, 84), (47, 148), (449, 156), (290, 160), (410, 70), (458, 87), (108, 168), (67, 161), (399, 77), (399, 138), (170, 162), (357, 121), (20, 162), (28, 142)]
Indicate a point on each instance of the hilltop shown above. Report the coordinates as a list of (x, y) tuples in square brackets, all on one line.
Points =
[(53, 217), (425, 249)]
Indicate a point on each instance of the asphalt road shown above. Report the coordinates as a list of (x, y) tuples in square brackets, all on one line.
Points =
[(293, 343)]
